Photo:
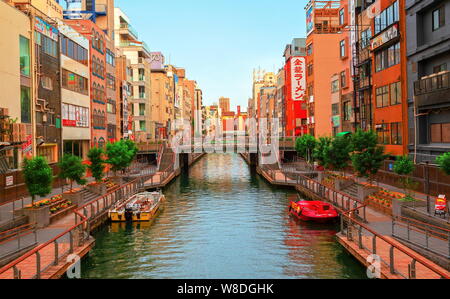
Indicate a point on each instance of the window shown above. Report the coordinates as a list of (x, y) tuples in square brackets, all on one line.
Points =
[(48, 46), (142, 125), (75, 116), (24, 44), (74, 148), (438, 18), (309, 50), (342, 48), (365, 38), (335, 109), (48, 152), (440, 68), (347, 110), (110, 82), (310, 69), (25, 105), (74, 82), (141, 109), (343, 79), (387, 57), (72, 50), (382, 94), (440, 133), (110, 57), (386, 18), (342, 16), (396, 93), (396, 133), (334, 86), (383, 134), (47, 83)]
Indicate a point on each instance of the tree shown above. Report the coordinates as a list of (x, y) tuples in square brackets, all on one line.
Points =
[(38, 177), (444, 162), (97, 166), (404, 166), (304, 146), (72, 168), (120, 155), (321, 150), (367, 157), (132, 147), (338, 153)]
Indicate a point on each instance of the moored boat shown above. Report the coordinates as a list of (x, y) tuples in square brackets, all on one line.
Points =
[(316, 211), (140, 207)]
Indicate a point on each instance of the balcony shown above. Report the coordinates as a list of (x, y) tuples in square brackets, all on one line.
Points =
[(143, 45), (433, 90), (128, 29)]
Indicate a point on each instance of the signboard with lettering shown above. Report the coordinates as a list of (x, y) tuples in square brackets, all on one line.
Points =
[(384, 37), (27, 147), (309, 19), (9, 181), (156, 61), (42, 27), (298, 78)]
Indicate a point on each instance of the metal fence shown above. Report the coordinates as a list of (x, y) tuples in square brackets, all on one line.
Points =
[(423, 235), (394, 259)]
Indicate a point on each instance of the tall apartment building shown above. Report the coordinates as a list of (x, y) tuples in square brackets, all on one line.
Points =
[(139, 55), (124, 73), (428, 52), (97, 51), (75, 92), (326, 49), (224, 104), (161, 101)]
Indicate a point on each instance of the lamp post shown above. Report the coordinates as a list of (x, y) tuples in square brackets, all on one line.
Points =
[(427, 186)]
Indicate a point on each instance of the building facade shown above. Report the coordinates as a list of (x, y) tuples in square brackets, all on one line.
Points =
[(428, 92)]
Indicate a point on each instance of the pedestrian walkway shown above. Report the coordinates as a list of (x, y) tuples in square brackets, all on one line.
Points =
[(374, 236)]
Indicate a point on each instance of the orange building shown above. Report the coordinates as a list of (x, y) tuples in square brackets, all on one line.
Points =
[(388, 49), (97, 43), (324, 60)]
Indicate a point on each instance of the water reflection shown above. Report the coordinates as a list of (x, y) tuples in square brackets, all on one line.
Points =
[(221, 221)]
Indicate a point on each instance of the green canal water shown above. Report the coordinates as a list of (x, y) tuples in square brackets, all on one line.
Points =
[(221, 220)]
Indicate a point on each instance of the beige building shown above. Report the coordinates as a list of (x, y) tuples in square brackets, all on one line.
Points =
[(162, 104), (16, 83), (139, 55), (76, 133)]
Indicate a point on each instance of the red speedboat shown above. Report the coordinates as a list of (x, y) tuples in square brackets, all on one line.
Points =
[(316, 211)]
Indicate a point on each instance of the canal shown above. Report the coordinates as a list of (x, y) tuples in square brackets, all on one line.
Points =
[(221, 220)]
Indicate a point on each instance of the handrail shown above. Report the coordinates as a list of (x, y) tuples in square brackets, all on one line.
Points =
[(16, 228), (84, 220), (412, 255), (403, 219)]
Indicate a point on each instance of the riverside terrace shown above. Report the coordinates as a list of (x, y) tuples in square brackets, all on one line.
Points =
[(370, 236)]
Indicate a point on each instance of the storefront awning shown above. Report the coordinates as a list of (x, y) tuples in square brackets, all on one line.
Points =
[(344, 133)]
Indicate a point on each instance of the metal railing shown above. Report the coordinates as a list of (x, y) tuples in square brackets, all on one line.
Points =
[(432, 83), (18, 234), (423, 235), (392, 255), (58, 248)]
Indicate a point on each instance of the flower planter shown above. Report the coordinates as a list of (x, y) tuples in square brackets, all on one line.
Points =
[(398, 205), (118, 180), (40, 216), (75, 197), (61, 213), (97, 188)]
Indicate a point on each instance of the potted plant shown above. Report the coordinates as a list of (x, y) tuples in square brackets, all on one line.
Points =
[(38, 178), (97, 168), (72, 169)]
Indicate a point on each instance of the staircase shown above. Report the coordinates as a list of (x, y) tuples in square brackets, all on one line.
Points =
[(167, 159), (352, 190), (88, 195)]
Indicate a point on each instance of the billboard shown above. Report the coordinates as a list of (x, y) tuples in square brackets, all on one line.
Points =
[(298, 78), (309, 18), (156, 61)]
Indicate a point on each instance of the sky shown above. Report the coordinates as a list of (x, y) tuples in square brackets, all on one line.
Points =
[(219, 42)]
